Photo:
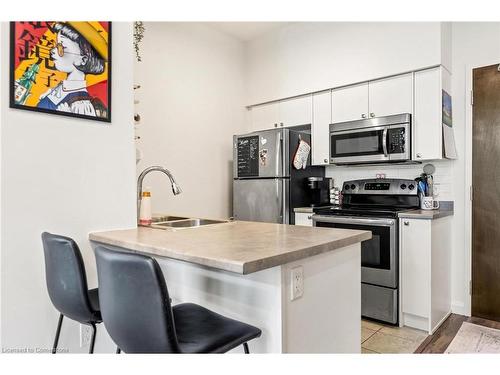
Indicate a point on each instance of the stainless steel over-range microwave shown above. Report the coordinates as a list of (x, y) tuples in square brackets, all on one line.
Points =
[(375, 140)]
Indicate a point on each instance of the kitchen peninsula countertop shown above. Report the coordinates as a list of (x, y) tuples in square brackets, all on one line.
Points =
[(242, 247)]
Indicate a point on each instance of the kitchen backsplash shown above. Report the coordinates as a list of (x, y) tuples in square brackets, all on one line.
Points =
[(442, 177)]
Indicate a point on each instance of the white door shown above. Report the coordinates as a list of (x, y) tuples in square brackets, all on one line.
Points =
[(391, 96), (427, 121), (295, 111), (350, 103), (320, 129), (264, 116)]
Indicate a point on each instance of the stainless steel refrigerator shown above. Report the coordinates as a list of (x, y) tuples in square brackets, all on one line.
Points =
[(266, 185)]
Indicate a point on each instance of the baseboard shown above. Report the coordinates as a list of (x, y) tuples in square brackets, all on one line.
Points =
[(459, 308), (439, 323), (415, 321)]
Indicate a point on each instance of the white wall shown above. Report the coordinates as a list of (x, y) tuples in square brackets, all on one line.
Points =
[(474, 44), (306, 57), (67, 176), (191, 104)]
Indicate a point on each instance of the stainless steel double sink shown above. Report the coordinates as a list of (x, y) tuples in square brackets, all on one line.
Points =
[(167, 222)]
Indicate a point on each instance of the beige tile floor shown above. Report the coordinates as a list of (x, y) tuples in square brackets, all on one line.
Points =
[(379, 338)]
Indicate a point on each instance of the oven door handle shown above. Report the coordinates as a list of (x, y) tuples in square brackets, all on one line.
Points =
[(384, 141), (352, 220)]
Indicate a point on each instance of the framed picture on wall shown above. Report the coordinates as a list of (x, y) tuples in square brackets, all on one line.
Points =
[(61, 68)]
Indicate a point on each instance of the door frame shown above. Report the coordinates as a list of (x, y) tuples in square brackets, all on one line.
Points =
[(468, 177)]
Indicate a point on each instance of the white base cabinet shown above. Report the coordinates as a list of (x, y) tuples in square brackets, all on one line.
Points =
[(302, 218), (425, 272)]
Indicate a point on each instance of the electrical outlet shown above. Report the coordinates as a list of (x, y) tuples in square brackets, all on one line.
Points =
[(297, 282), (85, 335)]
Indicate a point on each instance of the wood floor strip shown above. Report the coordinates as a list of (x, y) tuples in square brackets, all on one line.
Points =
[(439, 341)]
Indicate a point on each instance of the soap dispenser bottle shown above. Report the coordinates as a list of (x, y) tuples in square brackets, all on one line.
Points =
[(145, 217)]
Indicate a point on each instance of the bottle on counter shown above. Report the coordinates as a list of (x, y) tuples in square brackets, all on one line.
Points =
[(145, 217)]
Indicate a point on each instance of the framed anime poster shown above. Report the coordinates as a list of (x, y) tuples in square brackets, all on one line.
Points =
[(61, 68)]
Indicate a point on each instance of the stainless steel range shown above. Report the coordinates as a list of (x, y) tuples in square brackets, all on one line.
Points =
[(373, 204)]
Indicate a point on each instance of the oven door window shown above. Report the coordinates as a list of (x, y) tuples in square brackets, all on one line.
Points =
[(356, 144), (376, 252)]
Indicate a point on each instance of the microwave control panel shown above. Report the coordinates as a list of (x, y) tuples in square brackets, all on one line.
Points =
[(396, 140)]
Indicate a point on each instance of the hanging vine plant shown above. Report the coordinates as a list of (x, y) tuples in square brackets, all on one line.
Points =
[(138, 36)]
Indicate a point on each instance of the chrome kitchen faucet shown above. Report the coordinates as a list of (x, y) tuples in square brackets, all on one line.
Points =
[(175, 187)]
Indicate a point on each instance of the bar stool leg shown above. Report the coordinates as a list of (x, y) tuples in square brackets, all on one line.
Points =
[(58, 332), (92, 339), (245, 346), (118, 350)]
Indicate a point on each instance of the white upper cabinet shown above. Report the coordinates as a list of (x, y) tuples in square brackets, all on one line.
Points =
[(427, 121), (391, 96), (383, 97), (295, 111), (264, 116), (322, 117), (283, 113), (418, 93), (350, 103)]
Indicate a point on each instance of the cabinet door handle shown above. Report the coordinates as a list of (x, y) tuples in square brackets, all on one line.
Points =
[(407, 223), (325, 160), (275, 125), (281, 124), (363, 115), (372, 114), (419, 155), (309, 217)]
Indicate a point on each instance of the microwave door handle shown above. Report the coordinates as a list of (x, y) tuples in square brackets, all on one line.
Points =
[(384, 142)]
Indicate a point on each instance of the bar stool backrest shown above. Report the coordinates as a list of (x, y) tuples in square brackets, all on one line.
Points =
[(66, 278), (135, 305)]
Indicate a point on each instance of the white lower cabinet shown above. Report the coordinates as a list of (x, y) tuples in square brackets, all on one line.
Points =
[(425, 272), (302, 218)]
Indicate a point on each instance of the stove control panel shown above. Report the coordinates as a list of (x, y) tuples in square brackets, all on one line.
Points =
[(385, 186)]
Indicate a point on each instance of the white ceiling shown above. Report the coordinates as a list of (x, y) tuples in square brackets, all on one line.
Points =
[(246, 31)]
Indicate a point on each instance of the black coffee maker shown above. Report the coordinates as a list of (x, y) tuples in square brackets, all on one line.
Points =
[(319, 190)]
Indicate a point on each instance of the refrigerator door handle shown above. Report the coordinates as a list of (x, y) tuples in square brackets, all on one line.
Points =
[(278, 154), (284, 197)]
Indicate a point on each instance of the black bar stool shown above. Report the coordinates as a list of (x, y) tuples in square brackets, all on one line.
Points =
[(67, 284), (137, 313)]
